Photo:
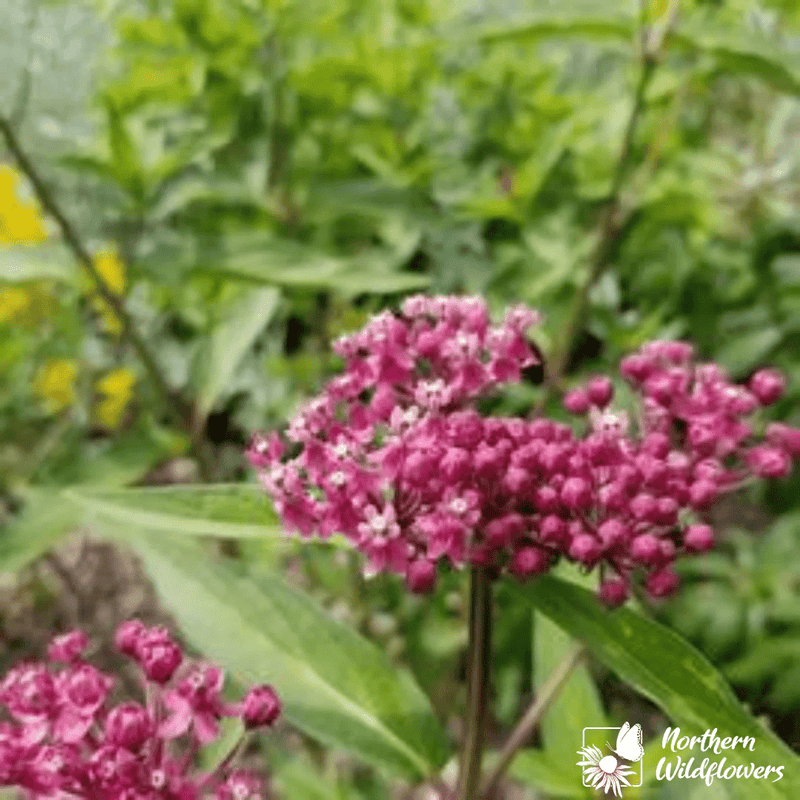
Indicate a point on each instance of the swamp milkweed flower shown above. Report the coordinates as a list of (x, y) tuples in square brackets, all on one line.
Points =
[(393, 454), (62, 738)]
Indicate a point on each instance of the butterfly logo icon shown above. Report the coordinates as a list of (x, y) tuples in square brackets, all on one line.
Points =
[(629, 742), (608, 773)]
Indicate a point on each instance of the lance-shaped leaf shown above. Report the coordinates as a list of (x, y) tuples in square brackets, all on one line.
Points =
[(669, 671), (335, 685), (230, 510)]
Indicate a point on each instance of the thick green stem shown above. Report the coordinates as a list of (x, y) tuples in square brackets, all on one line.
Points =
[(480, 645)]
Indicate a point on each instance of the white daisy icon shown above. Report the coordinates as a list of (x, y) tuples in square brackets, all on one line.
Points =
[(604, 772)]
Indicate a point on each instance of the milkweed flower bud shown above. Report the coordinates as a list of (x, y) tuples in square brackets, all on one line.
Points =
[(260, 707), (698, 538), (421, 576), (158, 655), (768, 386), (600, 391), (613, 592), (68, 647), (421, 477), (129, 725)]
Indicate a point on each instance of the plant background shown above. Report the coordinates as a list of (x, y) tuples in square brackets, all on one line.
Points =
[(255, 177)]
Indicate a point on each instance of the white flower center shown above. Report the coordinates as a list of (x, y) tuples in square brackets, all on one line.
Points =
[(458, 506), (608, 765), (338, 478), (411, 415), (379, 523)]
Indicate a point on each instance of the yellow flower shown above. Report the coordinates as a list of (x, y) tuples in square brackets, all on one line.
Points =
[(15, 301), (116, 389), (54, 384), (20, 221), (112, 271), (25, 303)]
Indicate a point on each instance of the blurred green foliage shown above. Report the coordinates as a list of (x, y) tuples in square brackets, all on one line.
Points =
[(264, 174)]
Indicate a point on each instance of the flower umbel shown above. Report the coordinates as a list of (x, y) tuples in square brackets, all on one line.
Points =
[(393, 454), (63, 739)]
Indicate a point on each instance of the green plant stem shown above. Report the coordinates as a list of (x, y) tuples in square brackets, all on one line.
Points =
[(610, 222), (545, 697), (478, 660), (75, 244)]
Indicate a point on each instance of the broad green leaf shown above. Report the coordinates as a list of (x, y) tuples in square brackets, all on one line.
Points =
[(229, 510), (292, 265), (335, 685), (662, 666), (739, 51), (37, 262), (230, 342), (45, 518), (578, 704), (556, 778)]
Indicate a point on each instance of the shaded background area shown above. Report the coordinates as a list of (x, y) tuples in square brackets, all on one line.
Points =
[(253, 178)]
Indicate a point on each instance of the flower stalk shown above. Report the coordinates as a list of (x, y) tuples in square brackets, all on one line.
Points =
[(547, 695), (478, 661)]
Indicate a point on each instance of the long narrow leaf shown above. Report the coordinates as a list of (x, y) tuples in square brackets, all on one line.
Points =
[(231, 510), (335, 685), (662, 666)]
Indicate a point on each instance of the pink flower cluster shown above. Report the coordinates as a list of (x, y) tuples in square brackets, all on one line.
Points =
[(62, 741), (394, 456)]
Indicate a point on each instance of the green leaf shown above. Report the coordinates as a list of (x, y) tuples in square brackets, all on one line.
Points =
[(297, 779), (734, 49), (230, 510), (335, 685), (45, 518), (555, 778), (544, 26), (578, 705), (125, 159), (739, 51), (663, 667), (230, 731), (745, 351), (291, 265), (231, 341), (37, 262)]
